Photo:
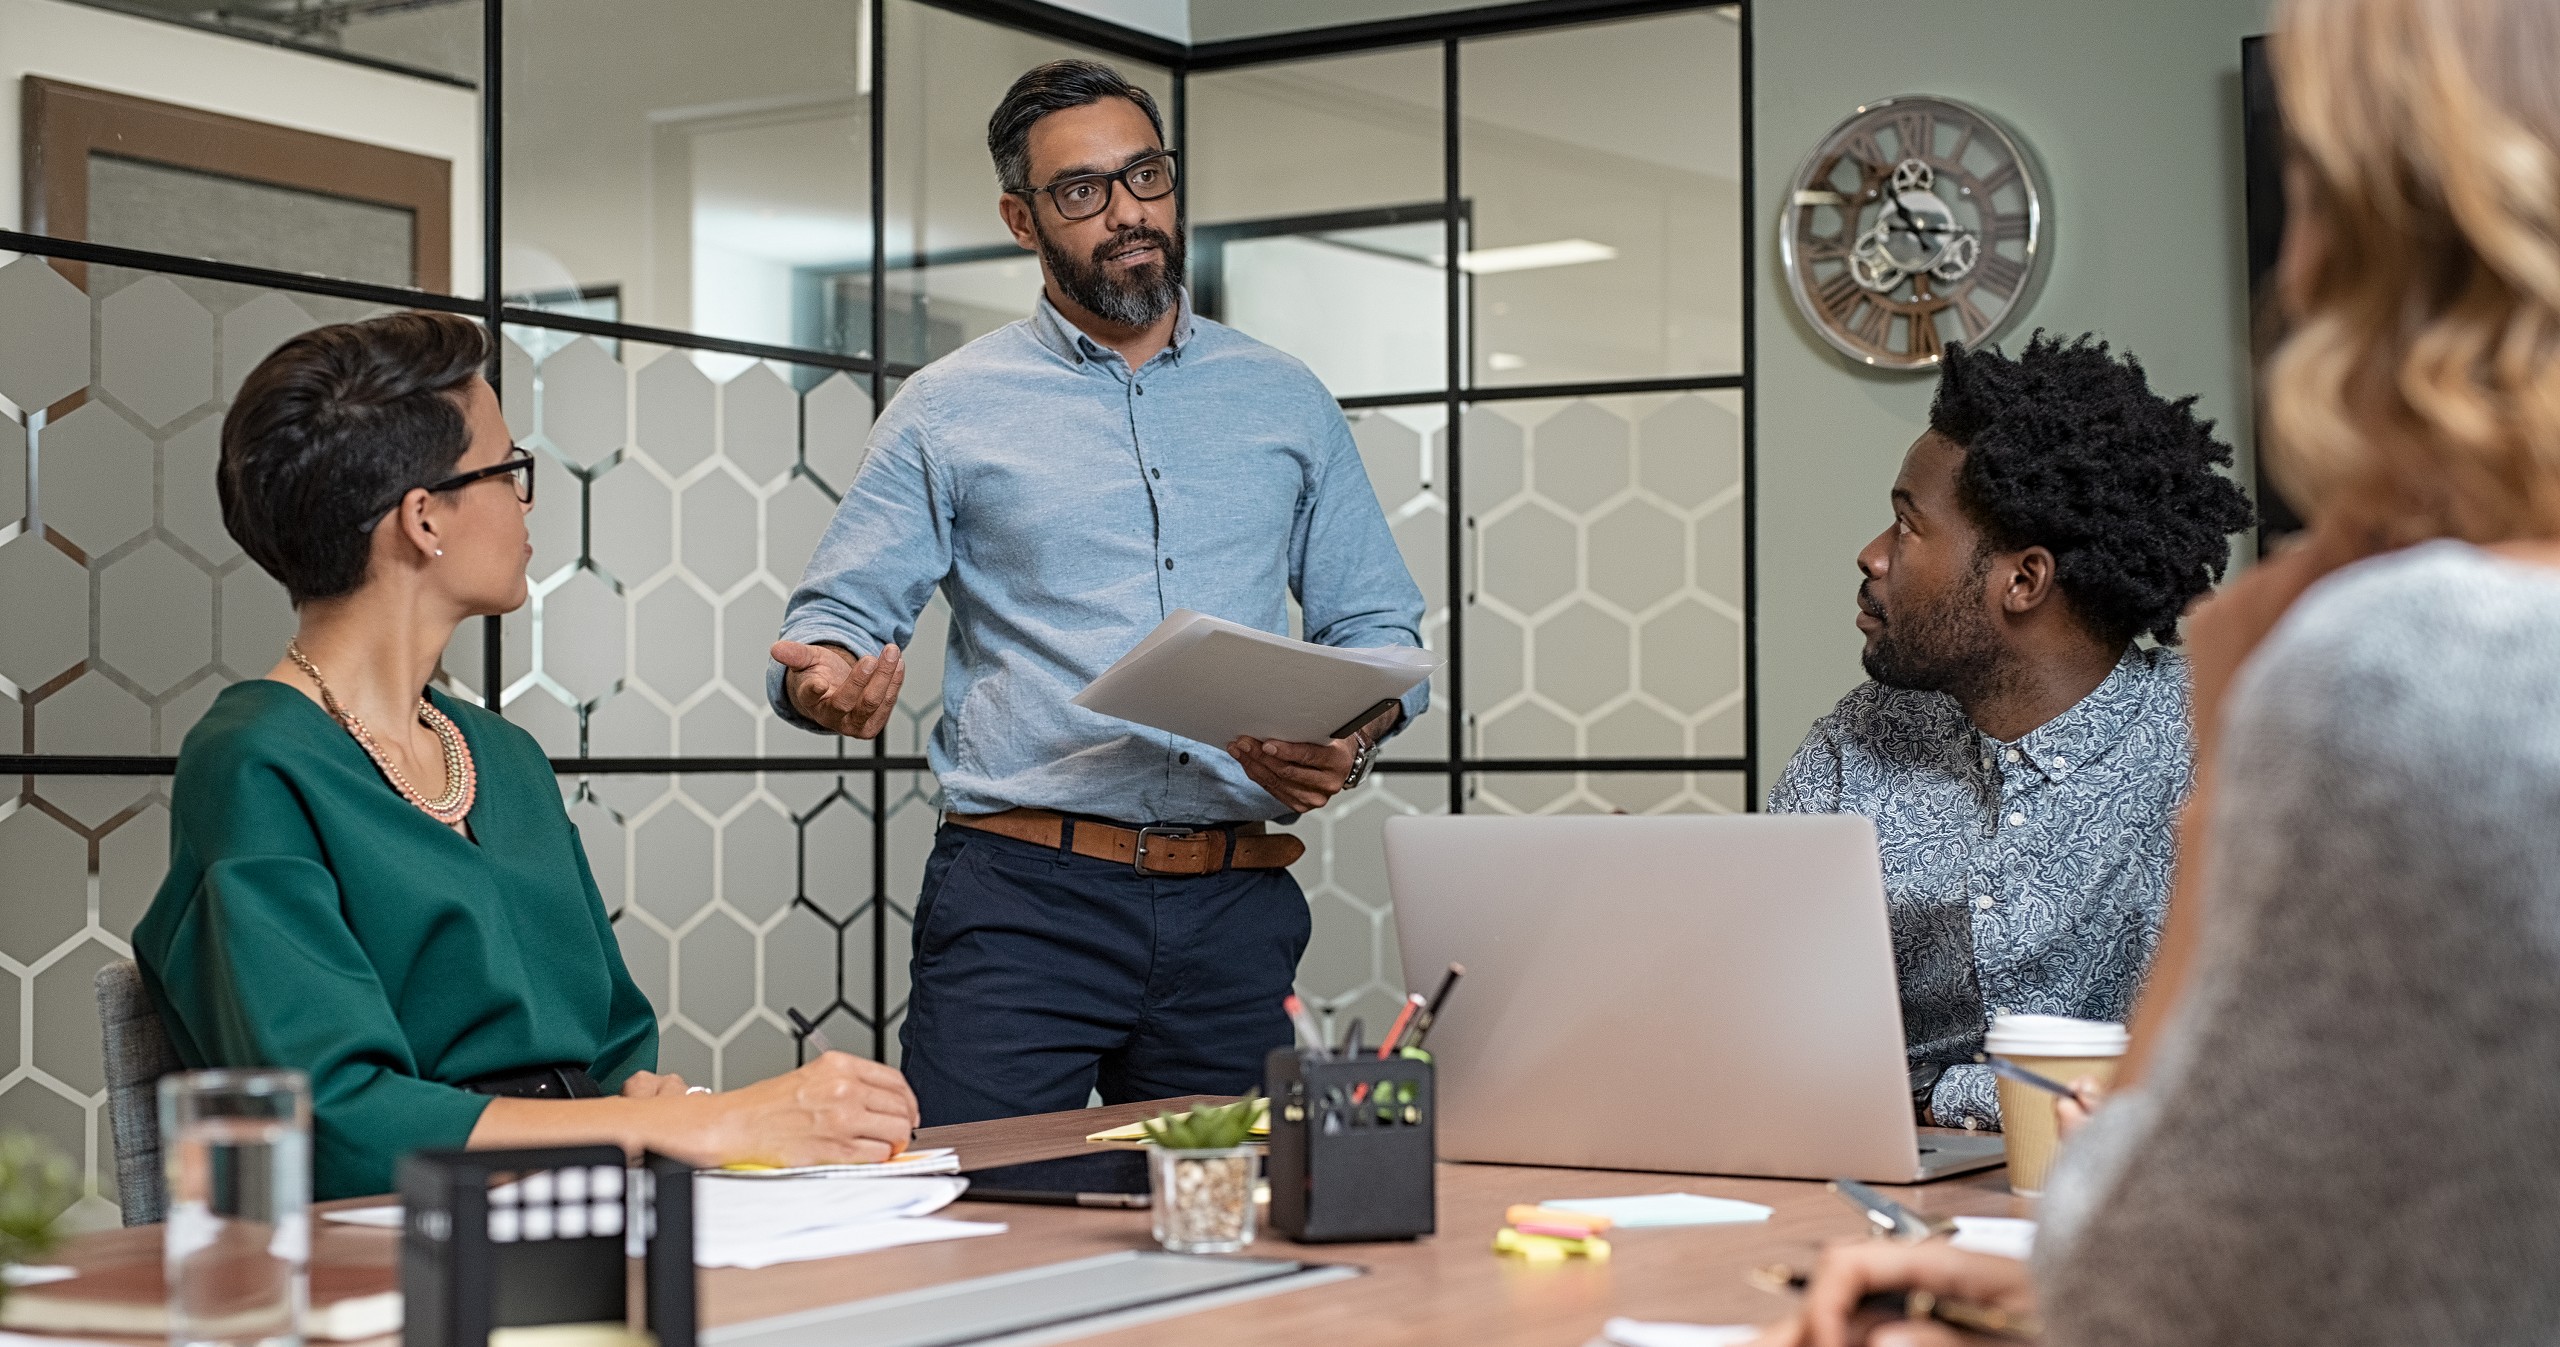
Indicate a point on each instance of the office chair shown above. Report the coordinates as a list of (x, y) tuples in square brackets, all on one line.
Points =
[(138, 1055)]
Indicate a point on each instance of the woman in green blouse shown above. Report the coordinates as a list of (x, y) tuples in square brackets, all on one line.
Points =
[(376, 883)]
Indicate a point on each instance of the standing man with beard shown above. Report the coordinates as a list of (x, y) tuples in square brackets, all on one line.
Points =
[(1104, 907), (2022, 758)]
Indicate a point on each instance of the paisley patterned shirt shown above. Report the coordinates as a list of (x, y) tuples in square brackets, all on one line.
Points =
[(2025, 877)]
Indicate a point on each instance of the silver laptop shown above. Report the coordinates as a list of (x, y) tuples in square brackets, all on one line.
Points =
[(1697, 994)]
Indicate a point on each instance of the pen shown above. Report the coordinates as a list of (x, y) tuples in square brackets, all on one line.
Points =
[(1889, 1216), (810, 1033), (1305, 1020), (1395, 1031), (1965, 1314), (1431, 1013), (1350, 1041), (2002, 1066)]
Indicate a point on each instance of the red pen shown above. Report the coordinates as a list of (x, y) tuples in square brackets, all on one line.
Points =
[(1395, 1032)]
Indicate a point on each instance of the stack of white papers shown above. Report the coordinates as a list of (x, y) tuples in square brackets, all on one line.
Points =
[(1663, 1209), (743, 1223), (1211, 680), (908, 1164)]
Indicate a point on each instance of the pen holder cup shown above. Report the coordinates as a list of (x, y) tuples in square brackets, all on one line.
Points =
[(1352, 1147)]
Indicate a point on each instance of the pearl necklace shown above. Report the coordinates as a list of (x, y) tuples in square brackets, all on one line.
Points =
[(461, 780)]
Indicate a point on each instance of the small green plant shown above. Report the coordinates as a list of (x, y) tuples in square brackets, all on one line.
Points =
[(1207, 1128), (35, 1186)]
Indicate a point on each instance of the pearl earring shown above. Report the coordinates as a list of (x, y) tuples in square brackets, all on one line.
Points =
[(439, 551)]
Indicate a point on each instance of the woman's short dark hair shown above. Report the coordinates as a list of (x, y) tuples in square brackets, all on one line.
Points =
[(1044, 89), (332, 429)]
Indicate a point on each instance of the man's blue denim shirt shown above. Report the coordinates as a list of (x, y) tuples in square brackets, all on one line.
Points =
[(1065, 505)]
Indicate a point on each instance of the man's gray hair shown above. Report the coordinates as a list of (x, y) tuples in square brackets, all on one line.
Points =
[(1054, 87)]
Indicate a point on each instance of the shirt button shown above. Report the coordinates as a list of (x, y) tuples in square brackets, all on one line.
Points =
[(1186, 759), (2015, 820), (1157, 472), (1983, 902), (2011, 754), (1168, 563), (1142, 389)]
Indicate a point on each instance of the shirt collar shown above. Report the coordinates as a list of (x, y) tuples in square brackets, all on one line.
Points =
[(2075, 738), (1073, 346)]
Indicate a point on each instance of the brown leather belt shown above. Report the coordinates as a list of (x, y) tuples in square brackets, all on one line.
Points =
[(1149, 851)]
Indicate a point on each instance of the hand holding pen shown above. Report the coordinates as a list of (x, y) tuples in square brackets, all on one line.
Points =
[(2074, 1103), (1910, 1295)]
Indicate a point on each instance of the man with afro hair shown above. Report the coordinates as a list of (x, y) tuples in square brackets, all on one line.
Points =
[(2022, 752)]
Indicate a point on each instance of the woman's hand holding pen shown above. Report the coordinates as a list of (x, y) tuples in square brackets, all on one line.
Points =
[(837, 1109), (1852, 1270), (850, 696), (2073, 1111)]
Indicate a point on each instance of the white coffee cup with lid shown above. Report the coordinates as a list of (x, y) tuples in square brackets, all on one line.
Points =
[(2057, 1047)]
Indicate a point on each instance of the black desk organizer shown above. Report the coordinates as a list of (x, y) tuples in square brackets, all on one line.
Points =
[(1352, 1147), (547, 1257)]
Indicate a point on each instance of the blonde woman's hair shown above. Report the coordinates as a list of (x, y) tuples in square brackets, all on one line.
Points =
[(2418, 392)]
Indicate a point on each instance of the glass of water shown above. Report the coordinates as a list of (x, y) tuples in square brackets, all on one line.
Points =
[(238, 1243)]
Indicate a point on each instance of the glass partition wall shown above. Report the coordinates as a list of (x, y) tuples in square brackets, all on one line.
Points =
[(714, 240)]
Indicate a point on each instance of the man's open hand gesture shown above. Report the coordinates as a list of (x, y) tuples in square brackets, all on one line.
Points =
[(852, 697)]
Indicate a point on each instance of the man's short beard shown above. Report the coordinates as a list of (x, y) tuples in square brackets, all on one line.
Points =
[(1952, 648), (1135, 300)]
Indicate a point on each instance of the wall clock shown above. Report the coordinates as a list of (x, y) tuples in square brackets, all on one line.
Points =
[(1916, 222)]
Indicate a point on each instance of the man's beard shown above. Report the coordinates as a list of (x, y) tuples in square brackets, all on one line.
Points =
[(1136, 298), (1952, 648)]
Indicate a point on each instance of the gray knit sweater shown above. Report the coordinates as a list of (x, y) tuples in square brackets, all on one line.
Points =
[(2352, 1134)]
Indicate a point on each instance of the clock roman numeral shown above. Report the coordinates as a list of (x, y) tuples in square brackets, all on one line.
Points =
[(2002, 274), (1873, 324), (1839, 294), (1869, 155), (1819, 249), (2000, 177), (1964, 142), (2010, 226), (1918, 133), (1975, 323), (1924, 333)]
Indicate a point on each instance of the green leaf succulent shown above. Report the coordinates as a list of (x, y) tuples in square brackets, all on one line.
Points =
[(1208, 1127)]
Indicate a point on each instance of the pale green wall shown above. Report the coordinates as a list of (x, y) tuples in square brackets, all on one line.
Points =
[(2134, 109)]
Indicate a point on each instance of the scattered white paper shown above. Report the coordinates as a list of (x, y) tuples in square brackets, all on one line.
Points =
[(1635, 1333), (1663, 1209), (1210, 680), (35, 1274), (739, 1221), (383, 1218), (48, 1340), (2007, 1236), (745, 1223)]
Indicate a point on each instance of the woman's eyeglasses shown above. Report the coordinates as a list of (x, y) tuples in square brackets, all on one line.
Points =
[(520, 461), (1084, 196)]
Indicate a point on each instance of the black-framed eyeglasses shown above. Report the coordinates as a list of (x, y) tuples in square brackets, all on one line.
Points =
[(1084, 196), (521, 460)]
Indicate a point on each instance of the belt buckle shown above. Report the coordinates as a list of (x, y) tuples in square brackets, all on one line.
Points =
[(1138, 862)]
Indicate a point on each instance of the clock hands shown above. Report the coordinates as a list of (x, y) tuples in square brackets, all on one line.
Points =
[(1939, 247)]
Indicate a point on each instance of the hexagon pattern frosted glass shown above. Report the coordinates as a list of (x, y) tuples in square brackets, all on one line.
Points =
[(85, 855), (1605, 618), (677, 511), (128, 605)]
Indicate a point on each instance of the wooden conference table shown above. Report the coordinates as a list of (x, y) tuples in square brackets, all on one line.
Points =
[(1448, 1287)]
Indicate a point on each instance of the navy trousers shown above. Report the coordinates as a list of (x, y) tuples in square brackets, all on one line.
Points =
[(1040, 976)]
